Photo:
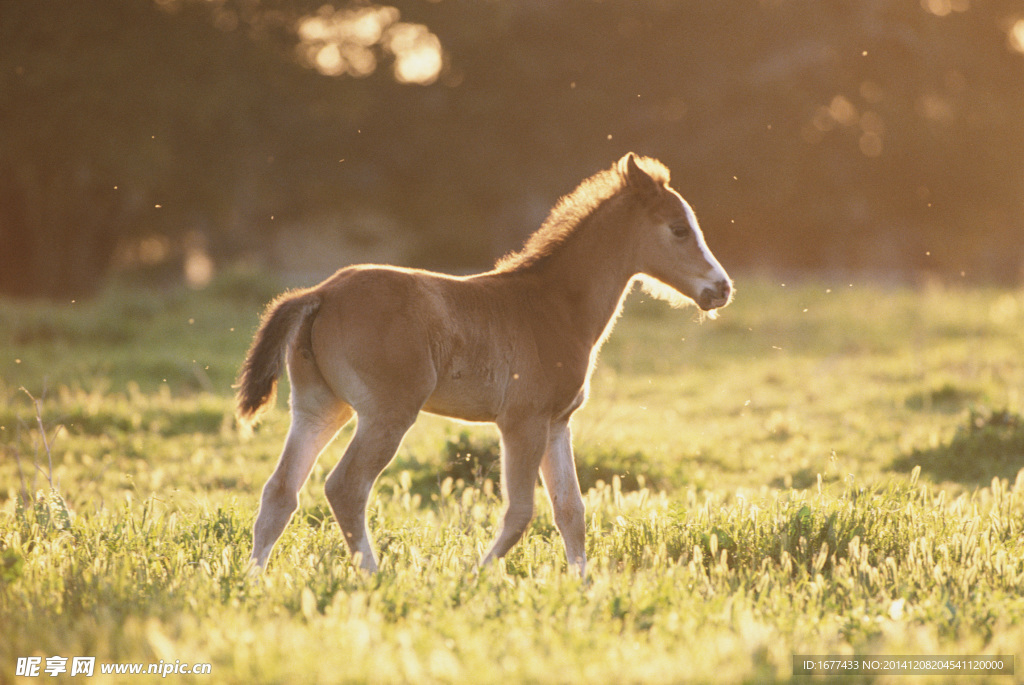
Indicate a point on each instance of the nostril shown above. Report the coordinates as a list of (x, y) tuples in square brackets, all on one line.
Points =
[(716, 294)]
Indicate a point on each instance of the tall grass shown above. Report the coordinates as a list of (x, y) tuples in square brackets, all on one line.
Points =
[(795, 478)]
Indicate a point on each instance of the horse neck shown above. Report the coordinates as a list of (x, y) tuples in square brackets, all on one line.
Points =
[(593, 269)]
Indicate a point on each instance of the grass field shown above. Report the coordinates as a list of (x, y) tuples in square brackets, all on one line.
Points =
[(829, 468)]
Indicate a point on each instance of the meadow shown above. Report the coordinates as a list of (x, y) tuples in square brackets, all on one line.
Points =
[(831, 467)]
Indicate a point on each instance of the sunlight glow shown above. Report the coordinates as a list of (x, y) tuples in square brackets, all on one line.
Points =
[(417, 53), (942, 8), (936, 108), (199, 268), (841, 112), (329, 61), (153, 249), (350, 41), (1017, 36)]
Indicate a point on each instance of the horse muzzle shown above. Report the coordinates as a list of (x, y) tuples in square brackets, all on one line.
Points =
[(715, 296)]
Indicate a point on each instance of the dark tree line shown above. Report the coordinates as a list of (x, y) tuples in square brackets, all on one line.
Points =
[(880, 135)]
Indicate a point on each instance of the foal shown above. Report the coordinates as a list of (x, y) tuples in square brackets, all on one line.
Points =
[(514, 346)]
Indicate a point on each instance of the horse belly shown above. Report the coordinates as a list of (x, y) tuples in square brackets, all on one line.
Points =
[(470, 395)]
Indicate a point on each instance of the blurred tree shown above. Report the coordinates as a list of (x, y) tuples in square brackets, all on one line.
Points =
[(102, 134), (809, 134)]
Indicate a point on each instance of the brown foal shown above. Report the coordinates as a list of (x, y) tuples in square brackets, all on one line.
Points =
[(515, 346)]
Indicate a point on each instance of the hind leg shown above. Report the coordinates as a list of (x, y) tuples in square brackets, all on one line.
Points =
[(348, 486), (317, 416), (307, 437)]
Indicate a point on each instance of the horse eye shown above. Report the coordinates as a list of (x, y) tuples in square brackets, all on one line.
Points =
[(680, 229)]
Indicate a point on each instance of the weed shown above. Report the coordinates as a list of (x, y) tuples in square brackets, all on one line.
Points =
[(471, 461)]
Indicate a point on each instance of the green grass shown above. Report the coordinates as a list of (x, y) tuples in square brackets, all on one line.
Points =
[(828, 468)]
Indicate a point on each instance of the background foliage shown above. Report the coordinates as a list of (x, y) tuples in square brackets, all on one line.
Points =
[(880, 135)]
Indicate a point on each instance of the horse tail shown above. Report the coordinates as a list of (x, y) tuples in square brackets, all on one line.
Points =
[(257, 380)]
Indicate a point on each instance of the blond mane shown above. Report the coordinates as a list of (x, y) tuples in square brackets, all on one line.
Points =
[(572, 211)]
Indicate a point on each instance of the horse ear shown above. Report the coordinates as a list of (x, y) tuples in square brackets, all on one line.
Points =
[(637, 178)]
